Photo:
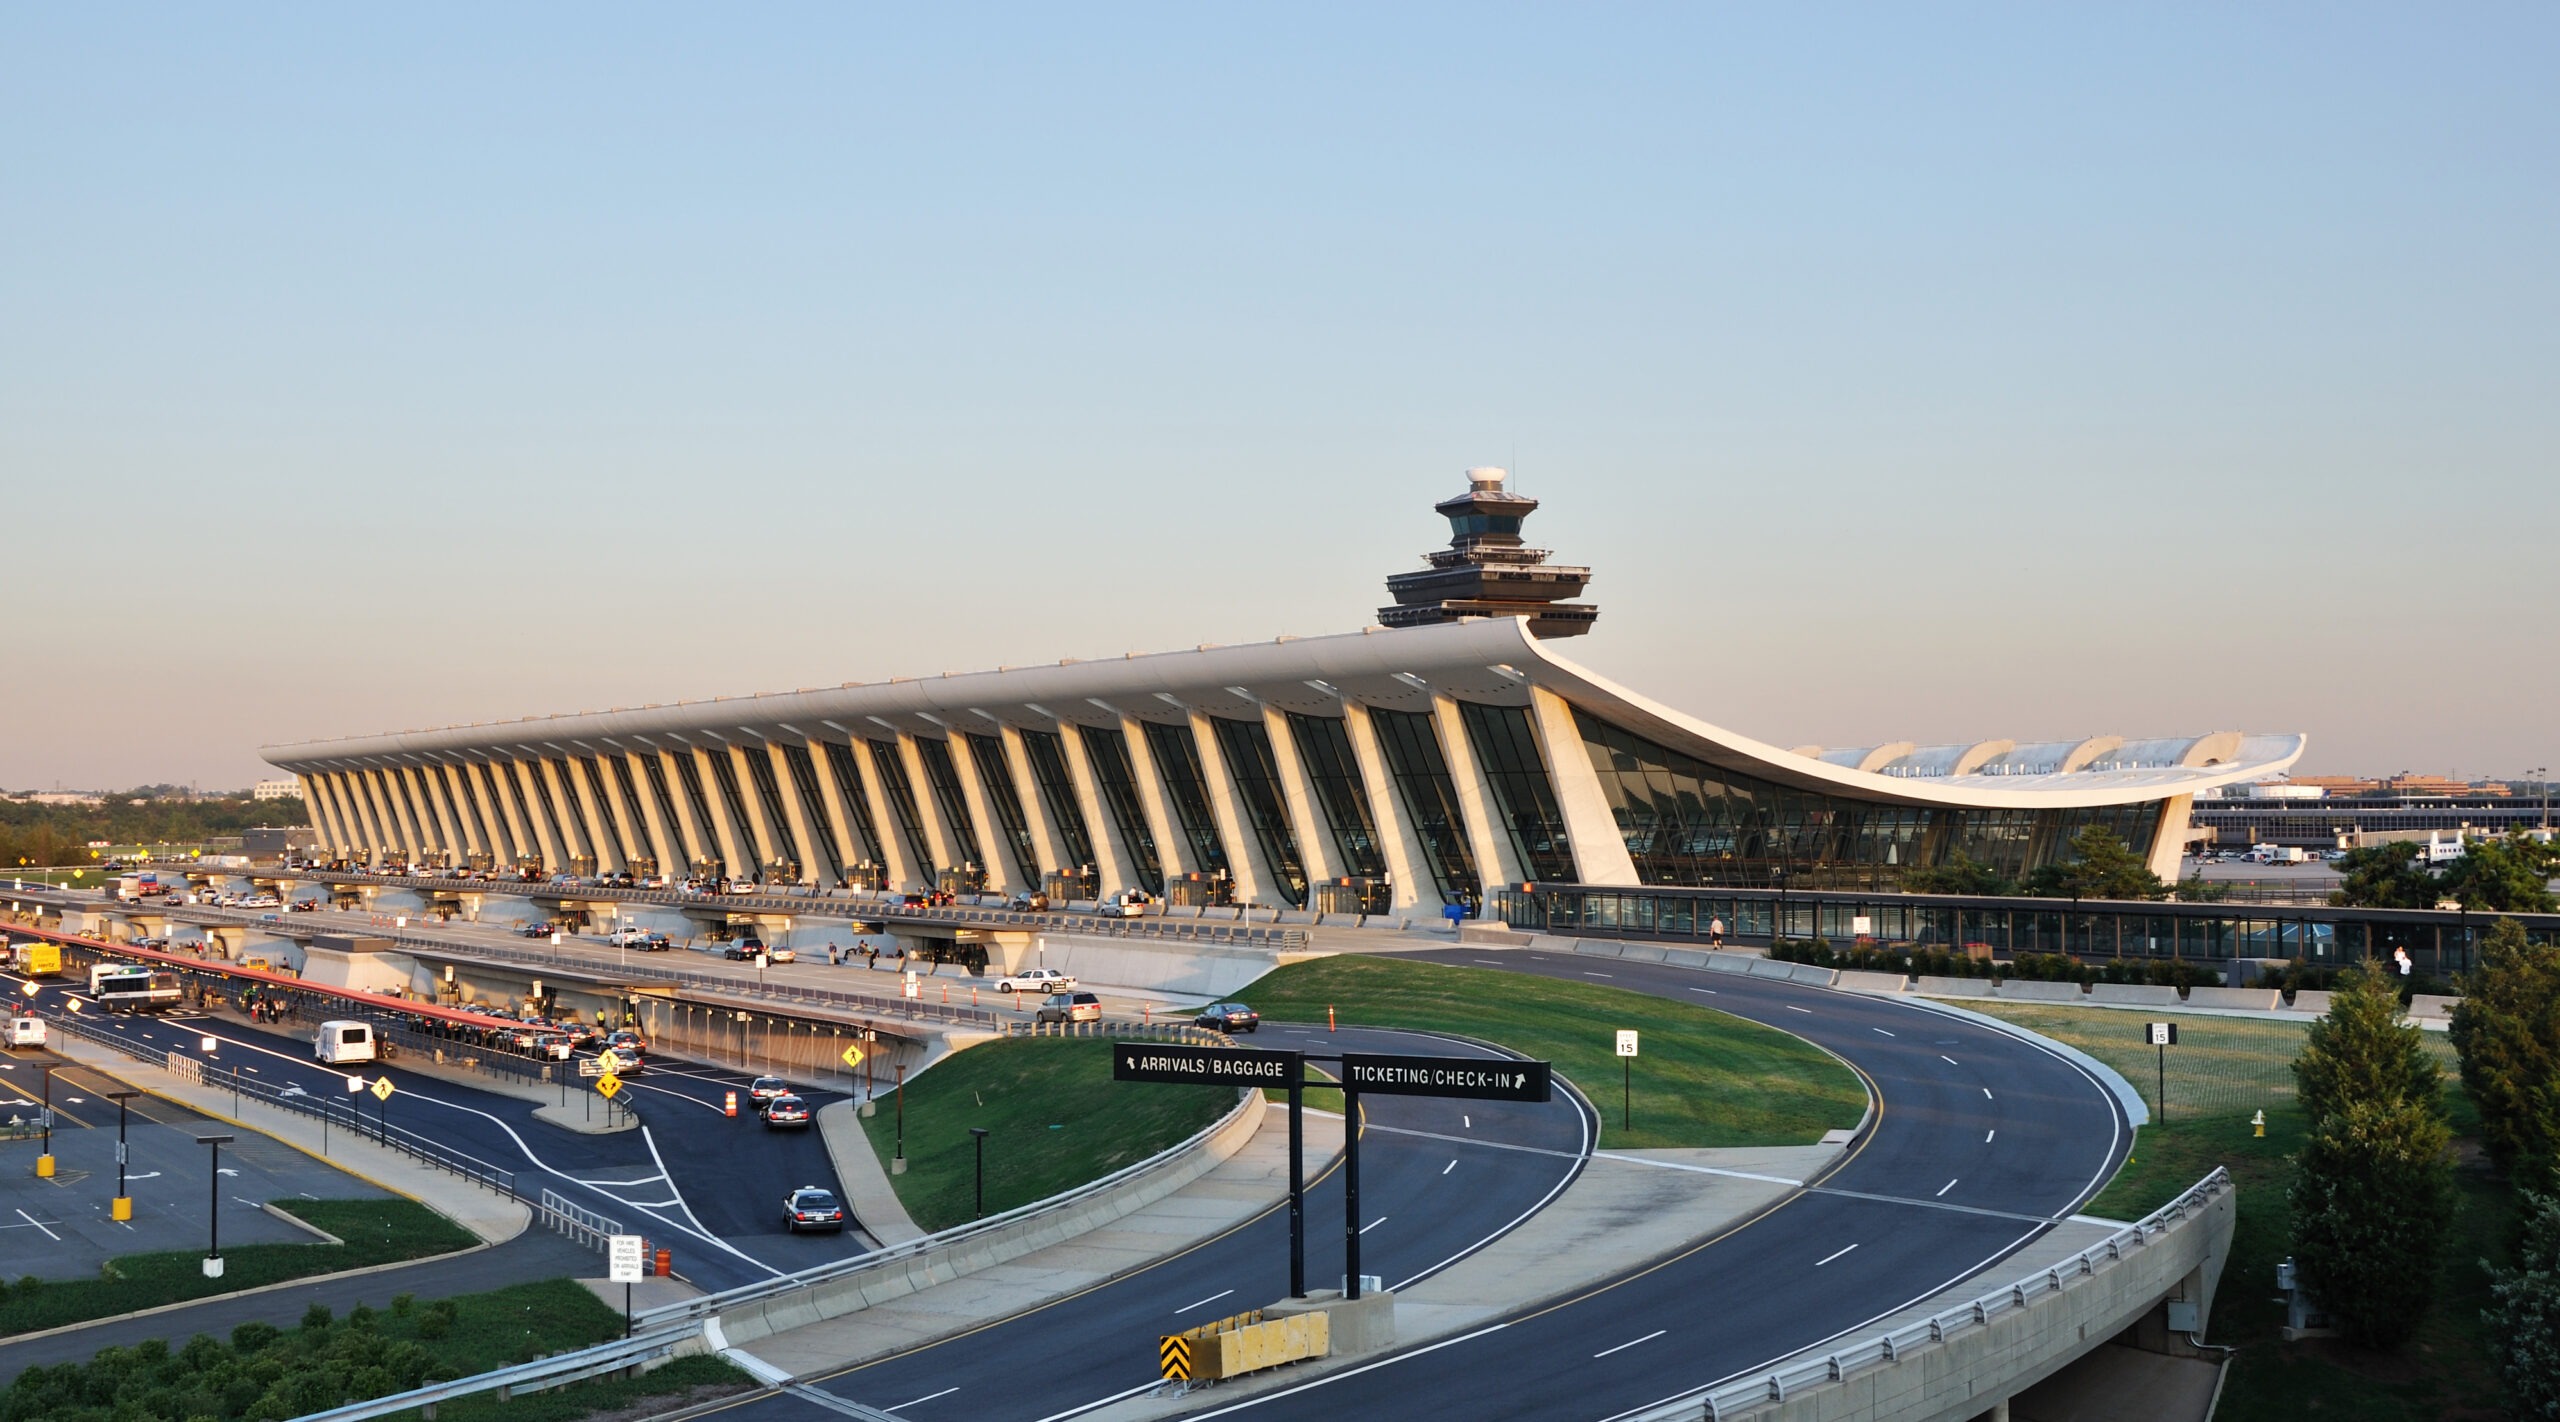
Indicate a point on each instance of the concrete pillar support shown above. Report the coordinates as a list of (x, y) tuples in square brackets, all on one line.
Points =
[(1111, 857), (1599, 846), (1003, 875), (1257, 880), (1488, 838), (1415, 890), (1306, 818), (1173, 848)]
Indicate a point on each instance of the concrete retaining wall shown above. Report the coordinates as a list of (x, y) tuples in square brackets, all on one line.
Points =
[(2314, 1003), (1178, 968), (907, 1274), (2021, 990), (2431, 1008), (1952, 987), (1853, 980), (2246, 999), (2134, 994)]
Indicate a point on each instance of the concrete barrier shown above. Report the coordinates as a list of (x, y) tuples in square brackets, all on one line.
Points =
[(2021, 990), (1686, 957), (1641, 952), (1854, 980), (1808, 973), (2308, 1001), (1595, 947), (2428, 1007), (2243, 999), (1928, 986), (1768, 968), (1720, 962), (2134, 994)]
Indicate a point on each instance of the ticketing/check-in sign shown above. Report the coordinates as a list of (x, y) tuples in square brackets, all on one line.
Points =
[(1203, 1066), (1486, 1079)]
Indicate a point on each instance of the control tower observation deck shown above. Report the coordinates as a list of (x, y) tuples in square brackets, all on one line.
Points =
[(1486, 571)]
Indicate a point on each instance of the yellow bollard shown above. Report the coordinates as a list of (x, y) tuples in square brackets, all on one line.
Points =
[(122, 1208), (44, 1167), (2260, 1121)]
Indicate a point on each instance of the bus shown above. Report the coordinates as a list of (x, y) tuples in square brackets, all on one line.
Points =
[(134, 989)]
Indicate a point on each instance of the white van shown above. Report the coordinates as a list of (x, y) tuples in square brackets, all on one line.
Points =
[(344, 1042)]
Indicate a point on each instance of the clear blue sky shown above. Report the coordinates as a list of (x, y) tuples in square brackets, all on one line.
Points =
[(1909, 372)]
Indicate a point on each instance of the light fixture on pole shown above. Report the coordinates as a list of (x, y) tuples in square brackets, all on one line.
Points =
[(213, 1204), (978, 1135), (122, 1209), (44, 1161)]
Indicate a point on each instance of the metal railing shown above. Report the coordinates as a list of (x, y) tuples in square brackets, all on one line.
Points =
[(566, 1216), (1738, 1396), (540, 1374)]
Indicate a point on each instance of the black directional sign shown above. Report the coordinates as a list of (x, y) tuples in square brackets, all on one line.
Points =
[(1482, 1078), (1212, 1066)]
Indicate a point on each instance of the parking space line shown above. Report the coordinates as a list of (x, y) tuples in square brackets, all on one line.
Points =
[(1605, 1352), (49, 1234)]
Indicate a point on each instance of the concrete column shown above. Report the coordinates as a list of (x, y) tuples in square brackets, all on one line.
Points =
[(449, 802), (1599, 846), (630, 838), (899, 869), (1048, 844), (1002, 876), (767, 836), (1257, 881), (413, 810), (2170, 839), (1298, 790), (736, 849), (556, 848), (698, 841), (928, 810), (665, 841), (1488, 834), (324, 811), (498, 783), (1172, 846), (566, 812), (1415, 889), (430, 795), (794, 810), (368, 815), (387, 806), (1111, 858), (849, 850)]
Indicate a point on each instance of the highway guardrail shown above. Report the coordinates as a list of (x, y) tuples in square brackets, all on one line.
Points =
[(557, 1370)]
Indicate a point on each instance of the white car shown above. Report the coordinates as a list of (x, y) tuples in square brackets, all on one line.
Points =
[(1039, 980), (626, 938)]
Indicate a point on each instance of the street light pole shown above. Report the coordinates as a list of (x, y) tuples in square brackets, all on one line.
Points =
[(122, 1210), (978, 1135), (44, 1162), (213, 1206), (898, 1162)]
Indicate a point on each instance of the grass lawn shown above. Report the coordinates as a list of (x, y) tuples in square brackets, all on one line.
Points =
[(375, 1231), (2221, 1072), (1705, 1078), (1054, 1120)]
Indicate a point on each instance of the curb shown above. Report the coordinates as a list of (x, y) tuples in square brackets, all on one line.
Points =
[(58, 1329)]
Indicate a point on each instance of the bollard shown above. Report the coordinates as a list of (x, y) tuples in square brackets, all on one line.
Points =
[(1328, 1017), (666, 1263), (729, 1108)]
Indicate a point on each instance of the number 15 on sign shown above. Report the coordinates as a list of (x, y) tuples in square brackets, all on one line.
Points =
[(1626, 1079)]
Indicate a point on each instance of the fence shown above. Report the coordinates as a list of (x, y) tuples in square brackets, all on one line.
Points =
[(566, 1216), (1739, 1396)]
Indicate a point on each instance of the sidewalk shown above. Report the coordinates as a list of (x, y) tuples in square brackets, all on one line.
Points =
[(867, 1191)]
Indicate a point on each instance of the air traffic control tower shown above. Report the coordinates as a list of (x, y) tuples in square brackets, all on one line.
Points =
[(1486, 571)]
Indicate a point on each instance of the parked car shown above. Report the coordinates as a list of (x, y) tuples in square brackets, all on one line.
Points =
[(626, 937), (1229, 1017), (781, 955), (787, 1112), (811, 1208), (1040, 980), (765, 1089), (653, 943), (1030, 903), (741, 949), (538, 930), (1070, 1007)]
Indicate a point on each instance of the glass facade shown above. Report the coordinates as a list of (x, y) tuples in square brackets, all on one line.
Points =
[(1176, 753), (995, 781), (857, 806), (1048, 756), (551, 811), (1411, 745), (820, 857), (655, 770), (724, 774), (1118, 781), (1505, 739), (689, 771), (944, 776), (1246, 747), (1689, 823), (637, 823), (786, 841), (1324, 750), (901, 795)]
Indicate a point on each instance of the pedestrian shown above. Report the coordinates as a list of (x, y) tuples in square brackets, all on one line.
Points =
[(874, 964), (1715, 932), (831, 955)]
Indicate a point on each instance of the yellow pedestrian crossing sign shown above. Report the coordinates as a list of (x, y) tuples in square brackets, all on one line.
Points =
[(853, 1056), (609, 1061), (382, 1088), (607, 1085), (1175, 1354)]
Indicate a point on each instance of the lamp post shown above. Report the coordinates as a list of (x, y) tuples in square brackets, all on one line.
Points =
[(979, 1137), (122, 1209), (213, 1206), (1778, 926), (44, 1162), (898, 1162)]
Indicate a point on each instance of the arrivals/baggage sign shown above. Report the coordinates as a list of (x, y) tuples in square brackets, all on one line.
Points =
[(1481, 1078), (1212, 1066)]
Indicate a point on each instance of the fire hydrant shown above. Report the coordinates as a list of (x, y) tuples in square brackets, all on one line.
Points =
[(2260, 1121)]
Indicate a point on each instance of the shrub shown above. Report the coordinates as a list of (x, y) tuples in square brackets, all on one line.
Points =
[(2525, 1313), (2359, 1051), (2373, 1201)]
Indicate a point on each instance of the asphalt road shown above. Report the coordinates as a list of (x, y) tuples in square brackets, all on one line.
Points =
[(1425, 1203), (692, 1179)]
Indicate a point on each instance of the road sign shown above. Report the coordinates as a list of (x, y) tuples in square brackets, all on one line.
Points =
[(1190, 1066), (853, 1056), (590, 1067), (623, 1264), (1174, 1353), (382, 1088), (1479, 1078), (2160, 1034), (607, 1085), (1626, 1044), (355, 1083), (608, 1061)]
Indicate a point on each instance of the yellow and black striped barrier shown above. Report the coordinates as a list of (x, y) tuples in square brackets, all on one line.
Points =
[(1174, 1350), (1244, 1343)]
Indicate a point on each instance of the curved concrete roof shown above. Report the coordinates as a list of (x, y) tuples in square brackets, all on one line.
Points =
[(1493, 660)]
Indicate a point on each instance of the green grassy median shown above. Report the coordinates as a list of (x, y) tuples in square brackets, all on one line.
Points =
[(1054, 1120), (380, 1231), (1704, 1078)]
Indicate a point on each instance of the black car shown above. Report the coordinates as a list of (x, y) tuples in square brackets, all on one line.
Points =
[(742, 949), (1229, 1017), (811, 1208)]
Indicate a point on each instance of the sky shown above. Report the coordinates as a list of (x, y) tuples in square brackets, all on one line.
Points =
[(1932, 373)]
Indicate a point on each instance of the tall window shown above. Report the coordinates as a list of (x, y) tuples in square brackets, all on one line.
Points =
[(1177, 757), (1246, 747), (724, 774), (995, 781), (1324, 748), (944, 776), (901, 795), (1506, 746), (786, 842), (551, 811), (689, 772), (636, 820), (857, 806), (584, 767), (653, 767), (813, 809), (1048, 757), (1118, 780), (1411, 746)]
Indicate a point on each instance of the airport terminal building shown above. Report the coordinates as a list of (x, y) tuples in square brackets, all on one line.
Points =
[(1433, 759)]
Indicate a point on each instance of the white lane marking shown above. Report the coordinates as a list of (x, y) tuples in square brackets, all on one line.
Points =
[(49, 1234), (928, 1397), (1880, 1031), (1943, 1189), (1818, 1263), (1807, 1011), (1468, 1121), (1987, 1135), (1711, 992), (1373, 1224), (1949, 1060), (1590, 974), (1452, 1165), (1605, 1352), (1495, 961), (1986, 1093), (1186, 1308)]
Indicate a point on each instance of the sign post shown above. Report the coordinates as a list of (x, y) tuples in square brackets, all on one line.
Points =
[(623, 1266), (2162, 1035), (1626, 1080)]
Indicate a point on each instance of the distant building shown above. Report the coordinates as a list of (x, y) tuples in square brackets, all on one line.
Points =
[(281, 788), (60, 797)]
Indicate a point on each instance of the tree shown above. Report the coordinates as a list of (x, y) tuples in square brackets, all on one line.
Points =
[(1959, 875), (2525, 1314), (2509, 875), (2506, 1031), (2101, 866), (2360, 1052), (2373, 1201), (2386, 876)]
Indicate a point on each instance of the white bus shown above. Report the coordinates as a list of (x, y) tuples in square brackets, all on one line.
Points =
[(134, 989)]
